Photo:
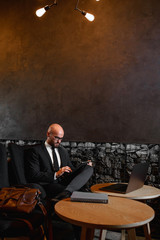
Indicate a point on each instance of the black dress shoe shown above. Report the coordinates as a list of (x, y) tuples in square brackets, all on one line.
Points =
[(63, 195), (85, 189)]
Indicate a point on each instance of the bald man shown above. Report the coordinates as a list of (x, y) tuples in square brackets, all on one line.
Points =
[(49, 165)]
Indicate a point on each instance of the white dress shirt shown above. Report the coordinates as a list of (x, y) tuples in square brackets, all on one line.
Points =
[(49, 149)]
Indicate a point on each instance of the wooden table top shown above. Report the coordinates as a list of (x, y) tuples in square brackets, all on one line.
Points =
[(119, 213), (144, 193)]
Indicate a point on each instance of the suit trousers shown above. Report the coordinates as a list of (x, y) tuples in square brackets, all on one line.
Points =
[(73, 181)]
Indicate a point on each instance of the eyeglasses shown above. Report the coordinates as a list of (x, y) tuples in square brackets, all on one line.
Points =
[(55, 137), (58, 138)]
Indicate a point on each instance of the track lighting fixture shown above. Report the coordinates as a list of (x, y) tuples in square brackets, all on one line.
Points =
[(40, 12)]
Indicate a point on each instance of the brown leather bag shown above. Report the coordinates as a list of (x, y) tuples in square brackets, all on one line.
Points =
[(20, 200)]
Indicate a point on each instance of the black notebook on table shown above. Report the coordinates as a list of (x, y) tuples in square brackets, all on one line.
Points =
[(136, 180), (78, 196)]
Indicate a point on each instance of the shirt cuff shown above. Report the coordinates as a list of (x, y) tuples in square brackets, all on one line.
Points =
[(55, 176)]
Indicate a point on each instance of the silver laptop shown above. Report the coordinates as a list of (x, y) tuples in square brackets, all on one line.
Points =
[(136, 181)]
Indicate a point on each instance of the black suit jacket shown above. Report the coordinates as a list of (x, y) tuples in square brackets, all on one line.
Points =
[(39, 165)]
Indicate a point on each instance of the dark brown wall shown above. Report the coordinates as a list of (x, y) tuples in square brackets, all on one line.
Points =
[(100, 80)]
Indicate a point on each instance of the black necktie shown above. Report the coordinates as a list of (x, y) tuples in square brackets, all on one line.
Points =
[(55, 161)]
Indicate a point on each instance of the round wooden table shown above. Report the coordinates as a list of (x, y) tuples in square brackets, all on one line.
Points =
[(119, 213), (144, 193)]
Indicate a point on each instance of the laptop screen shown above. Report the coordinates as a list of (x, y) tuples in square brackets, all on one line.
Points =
[(138, 177), (136, 180)]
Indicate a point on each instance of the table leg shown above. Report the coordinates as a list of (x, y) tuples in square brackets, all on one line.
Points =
[(147, 231), (102, 234), (87, 233), (123, 234), (131, 234)]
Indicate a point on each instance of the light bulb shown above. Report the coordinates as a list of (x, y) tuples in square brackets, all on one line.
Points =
[(40, 12), (89, 16)]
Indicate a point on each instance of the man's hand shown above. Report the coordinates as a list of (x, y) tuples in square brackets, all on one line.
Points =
[(63, 170), (89, 162)]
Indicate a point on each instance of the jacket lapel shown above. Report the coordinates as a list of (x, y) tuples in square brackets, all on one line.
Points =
[(46, 155)]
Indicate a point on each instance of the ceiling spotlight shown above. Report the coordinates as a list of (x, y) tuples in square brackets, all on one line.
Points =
[(40, 12), (89, 16)]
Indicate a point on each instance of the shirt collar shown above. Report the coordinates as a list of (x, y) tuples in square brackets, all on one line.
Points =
[(47, 145)]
